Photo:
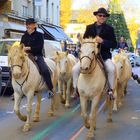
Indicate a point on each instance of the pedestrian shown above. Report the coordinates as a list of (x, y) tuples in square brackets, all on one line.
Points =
[(34, 44), (122, 44), (105, 36), (78, 44)]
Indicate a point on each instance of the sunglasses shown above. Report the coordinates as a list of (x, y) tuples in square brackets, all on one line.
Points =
[(102, 15)]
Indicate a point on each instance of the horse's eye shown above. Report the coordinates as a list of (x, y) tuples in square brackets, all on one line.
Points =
[(92, 52), (21, 57)]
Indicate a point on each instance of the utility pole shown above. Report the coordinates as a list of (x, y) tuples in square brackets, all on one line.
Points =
[(33, 8)]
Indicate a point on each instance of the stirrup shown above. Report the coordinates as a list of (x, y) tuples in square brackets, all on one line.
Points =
[(50, 94), (110, 94)]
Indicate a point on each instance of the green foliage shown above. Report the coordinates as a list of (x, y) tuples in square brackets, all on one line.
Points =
[(117, 20)]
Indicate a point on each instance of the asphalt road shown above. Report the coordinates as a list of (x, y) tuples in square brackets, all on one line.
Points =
[(67, 124)]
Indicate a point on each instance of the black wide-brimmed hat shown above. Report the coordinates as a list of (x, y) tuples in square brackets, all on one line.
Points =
[(30, 21), (101, 10)]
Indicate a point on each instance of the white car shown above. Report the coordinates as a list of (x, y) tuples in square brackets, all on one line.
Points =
[(50, 47)]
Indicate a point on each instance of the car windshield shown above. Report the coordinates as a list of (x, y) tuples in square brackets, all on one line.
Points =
[(4, 47)]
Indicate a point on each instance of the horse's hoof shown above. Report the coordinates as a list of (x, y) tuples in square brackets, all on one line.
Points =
[(67, 105), (115, 109), (109, 120), (63, 101), (120, 104), (50, 113), (26, 128), (90, 135), (35, 119), (90, 138), (87, 126)]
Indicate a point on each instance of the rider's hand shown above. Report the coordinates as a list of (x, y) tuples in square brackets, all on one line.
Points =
[(99, 39), (27, 48)]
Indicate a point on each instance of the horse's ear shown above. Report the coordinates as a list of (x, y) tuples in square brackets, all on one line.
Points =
[(57, 53), (8, 48), (22, 45), (67, 53)]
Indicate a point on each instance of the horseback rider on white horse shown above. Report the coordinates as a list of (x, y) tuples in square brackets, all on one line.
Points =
[(105, 36), (34, 43)]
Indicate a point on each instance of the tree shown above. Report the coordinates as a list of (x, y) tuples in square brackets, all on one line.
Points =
[(65, 12), (117, 20)]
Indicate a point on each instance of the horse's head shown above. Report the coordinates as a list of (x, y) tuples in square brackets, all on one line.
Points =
[(62, 62), (16, 58), (119, 63), (88, 53)]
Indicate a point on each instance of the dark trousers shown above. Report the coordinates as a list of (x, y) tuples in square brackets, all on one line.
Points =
[(44, 71)]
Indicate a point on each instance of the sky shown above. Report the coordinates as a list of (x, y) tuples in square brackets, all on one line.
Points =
[(82, 3)]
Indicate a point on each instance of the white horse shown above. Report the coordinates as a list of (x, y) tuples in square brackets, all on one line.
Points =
[(65, 63), (27, 81), (91, 84)]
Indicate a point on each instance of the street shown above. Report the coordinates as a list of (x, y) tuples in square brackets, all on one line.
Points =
[(67, 124)]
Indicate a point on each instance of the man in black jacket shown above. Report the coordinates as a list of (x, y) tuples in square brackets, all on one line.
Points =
[(106, 39), (34, 43)]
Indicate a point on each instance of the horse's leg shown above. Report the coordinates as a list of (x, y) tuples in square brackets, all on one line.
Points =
[(83, 103), (121, 92), (37, 109), (54, 102), (110, 106), (27, 125), (64, 91), (67, 104), (115, 105), (17, 98), (60, 91), (92, 116)]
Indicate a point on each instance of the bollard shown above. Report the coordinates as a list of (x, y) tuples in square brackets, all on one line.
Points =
[(135, 76), (0, 79), (138, 80)]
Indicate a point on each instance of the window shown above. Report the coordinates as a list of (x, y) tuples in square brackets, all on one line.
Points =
[(52, 12), (38, 11), (25, 11), (47, 9)]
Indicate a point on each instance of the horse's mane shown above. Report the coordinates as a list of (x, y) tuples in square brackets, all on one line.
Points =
[(88, 40)]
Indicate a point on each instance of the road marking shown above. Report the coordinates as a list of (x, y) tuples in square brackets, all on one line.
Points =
[(23, 106), (83, 127), (138, 110), (46, 131)]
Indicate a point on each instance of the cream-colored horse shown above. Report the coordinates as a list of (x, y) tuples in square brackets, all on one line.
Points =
[(124, 71), (27, 81), (65, 63), (91, 84)]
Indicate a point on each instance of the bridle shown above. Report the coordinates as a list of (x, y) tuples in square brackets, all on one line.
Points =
[(91, 59), (26, 78)]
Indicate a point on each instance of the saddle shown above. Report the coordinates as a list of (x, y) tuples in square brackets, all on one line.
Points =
[(33, 59)]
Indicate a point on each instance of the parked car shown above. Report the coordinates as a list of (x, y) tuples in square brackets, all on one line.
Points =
[(49, 48)]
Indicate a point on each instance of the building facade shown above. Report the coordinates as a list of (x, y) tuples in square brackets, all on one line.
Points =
[(13, 14)]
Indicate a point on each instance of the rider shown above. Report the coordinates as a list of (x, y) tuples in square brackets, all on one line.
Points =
[(105, 36), (34, 43)]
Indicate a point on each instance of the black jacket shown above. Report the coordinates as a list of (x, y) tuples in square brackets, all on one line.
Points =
[(108, 36), (35, 41)]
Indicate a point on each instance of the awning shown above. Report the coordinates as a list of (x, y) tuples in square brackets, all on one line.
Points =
[(15, 26), (18, 27), (56, 32), (64, 34)]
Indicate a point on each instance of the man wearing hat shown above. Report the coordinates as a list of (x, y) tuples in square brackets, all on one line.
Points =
[(34, 43), (105, 36)]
